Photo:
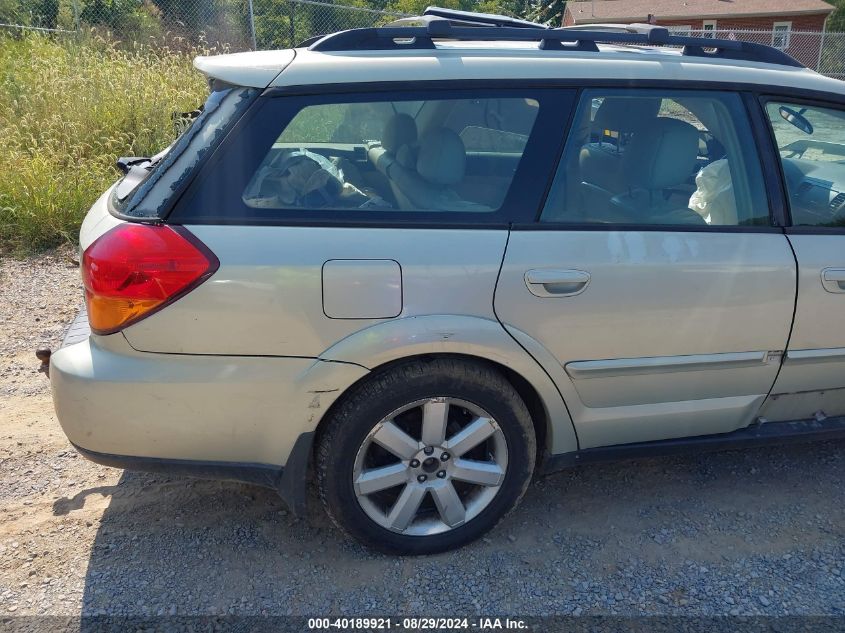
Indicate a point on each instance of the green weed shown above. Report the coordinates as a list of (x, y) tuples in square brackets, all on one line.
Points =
[(68, 109)]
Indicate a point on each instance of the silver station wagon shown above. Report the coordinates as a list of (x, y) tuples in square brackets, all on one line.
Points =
[(422, 263)]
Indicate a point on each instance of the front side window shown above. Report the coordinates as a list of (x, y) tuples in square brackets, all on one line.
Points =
[(455, 155), (652, 157), (811, 144)]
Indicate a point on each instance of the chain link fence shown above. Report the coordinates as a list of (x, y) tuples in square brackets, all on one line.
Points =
[(265, 24), (285, 23), (823, 52), (226, 24)]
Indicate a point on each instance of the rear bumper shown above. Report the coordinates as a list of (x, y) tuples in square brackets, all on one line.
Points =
[(258, 474), (289, 480), (225, 417)]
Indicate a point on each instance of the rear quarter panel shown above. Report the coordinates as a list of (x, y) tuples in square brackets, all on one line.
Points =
[(267, 298)]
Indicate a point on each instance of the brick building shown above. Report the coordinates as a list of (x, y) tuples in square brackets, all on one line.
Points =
[(780, 19)]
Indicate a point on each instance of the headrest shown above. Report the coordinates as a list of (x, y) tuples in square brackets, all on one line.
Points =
[(662, 154), (442, 158), (625, 114), (400, 129)]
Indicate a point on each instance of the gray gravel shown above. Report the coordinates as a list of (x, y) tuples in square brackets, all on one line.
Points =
[(38, 298), (744, 532)]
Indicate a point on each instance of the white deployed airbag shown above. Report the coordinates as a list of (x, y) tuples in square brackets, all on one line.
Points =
[(714, 198)]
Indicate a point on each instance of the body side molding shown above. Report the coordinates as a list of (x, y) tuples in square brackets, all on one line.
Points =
[(832, 354), (663, 364)]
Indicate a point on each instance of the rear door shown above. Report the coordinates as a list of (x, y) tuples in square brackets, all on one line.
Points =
[(655, 283), (810, 139)]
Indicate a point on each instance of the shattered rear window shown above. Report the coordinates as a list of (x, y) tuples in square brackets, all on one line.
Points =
[(167, 176)]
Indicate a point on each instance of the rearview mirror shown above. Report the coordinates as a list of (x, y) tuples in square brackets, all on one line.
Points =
[(796, 118)]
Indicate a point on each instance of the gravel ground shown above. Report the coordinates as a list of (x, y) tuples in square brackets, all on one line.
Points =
[(750, 532)]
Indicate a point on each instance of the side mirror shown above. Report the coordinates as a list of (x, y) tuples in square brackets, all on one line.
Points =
[(796, 118)]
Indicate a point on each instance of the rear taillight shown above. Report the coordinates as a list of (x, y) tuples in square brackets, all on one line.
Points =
[(134, 270)]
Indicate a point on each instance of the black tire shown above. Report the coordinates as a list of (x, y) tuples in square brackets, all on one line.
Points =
[(371, 401)]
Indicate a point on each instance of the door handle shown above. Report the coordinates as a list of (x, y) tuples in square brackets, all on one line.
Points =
[(545, 282), (833, 279)]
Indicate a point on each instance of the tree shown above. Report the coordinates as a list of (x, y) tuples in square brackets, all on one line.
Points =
[(836, 21), (195, 16), (10, 12), (513, 8), (115, 14), (47, 13), (548, 12), (43, 13)]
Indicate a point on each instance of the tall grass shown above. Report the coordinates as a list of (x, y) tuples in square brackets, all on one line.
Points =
[(68, 109)]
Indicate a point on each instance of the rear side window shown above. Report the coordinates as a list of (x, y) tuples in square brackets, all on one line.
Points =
[(651, 157), (344, 122), (388, 156), (455, 156), (811, 143)]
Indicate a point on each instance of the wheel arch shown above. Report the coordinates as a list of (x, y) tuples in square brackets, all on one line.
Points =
[(387, 345)]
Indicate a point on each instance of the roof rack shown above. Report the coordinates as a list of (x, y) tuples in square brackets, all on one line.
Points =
[(419, 33), (486, 19)]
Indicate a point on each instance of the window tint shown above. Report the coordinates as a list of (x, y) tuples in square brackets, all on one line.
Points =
[(655, 157), (385, 155), (811, 143)]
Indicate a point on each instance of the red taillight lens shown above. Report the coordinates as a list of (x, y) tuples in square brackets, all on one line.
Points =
[(135, 269)]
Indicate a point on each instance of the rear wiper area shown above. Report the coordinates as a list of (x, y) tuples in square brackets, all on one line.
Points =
[(135, 169), (125, 163)]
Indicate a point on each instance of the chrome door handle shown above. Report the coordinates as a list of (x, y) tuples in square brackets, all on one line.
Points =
[(544, 282), (833, 279)]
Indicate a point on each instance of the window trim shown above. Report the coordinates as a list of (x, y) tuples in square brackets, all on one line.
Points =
[(763, 99), (787, 34), (475, 84), (642, 228), (524, 196), (776, 209), (769, 161)]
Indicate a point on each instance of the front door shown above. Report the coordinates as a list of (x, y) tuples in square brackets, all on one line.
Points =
[(811, 142), (654, 283)]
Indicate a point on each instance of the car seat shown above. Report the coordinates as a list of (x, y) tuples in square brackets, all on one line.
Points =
[(600, 161), (660, 158), (423, 175), (398, 145)]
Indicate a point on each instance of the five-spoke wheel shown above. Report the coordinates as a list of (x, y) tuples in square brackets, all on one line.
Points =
[(430, 466), (426, 456)]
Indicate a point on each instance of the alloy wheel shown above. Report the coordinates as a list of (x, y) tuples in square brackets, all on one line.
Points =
[(430, 466)]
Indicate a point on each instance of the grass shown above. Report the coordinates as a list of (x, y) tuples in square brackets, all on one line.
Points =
[(68, 109)]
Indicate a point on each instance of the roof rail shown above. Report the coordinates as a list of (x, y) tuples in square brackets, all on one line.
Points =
[(424, 30)]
